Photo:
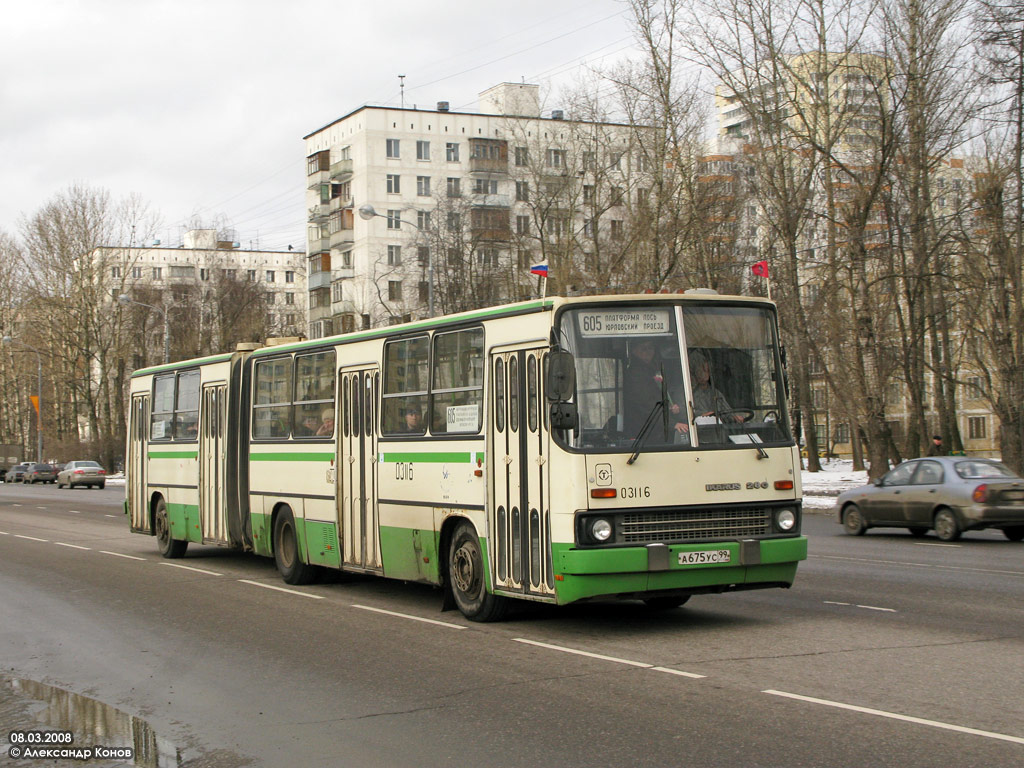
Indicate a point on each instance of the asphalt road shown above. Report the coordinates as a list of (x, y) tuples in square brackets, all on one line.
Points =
[(889, 650)]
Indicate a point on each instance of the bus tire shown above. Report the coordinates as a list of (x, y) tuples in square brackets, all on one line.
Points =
[(665, 603), (169, 547), (466, 578), (286, 551)]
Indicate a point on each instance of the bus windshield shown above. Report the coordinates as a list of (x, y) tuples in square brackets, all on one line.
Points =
[(676, 377)]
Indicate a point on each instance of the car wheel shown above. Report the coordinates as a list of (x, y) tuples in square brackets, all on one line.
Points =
[(286, 551), (466, 578), (946, 526), (665, 603), (918, 532), (169, 548), (101, 486), (1016, 533), (853, 520)]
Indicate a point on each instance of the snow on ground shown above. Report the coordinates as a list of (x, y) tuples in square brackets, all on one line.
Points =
[(836, 476)]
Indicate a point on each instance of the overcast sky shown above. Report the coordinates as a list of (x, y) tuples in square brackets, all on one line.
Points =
[(200, 106)]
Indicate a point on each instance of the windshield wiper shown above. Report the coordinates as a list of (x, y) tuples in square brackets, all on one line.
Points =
[(648, 423)]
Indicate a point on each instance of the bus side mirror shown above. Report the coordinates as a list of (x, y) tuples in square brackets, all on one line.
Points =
[(564, 416), (560, 382)]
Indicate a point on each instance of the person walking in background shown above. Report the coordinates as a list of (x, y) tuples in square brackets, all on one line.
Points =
[(936, 448)]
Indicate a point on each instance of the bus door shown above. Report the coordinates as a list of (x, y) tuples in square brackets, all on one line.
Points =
[(212, 463), (357, 468), (519, 513), (138, 443)]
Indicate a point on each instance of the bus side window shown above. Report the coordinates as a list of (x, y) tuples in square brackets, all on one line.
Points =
[(499, 395), (531, 392), (405, 385), (513, 394)]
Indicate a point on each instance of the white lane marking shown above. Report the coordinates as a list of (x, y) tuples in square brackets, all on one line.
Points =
[(282, 589), (120, 554), (894, 716), (916, 565), (73, 546), (75, 512), (42, 507), (111, 515), (408, 616), (4, 533), (30, 538), (857, 605), (602, 657), (190, 568), (930, 544), (15, 505), (677, 672)]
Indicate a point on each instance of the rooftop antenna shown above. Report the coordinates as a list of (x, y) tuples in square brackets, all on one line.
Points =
[(401, 88)]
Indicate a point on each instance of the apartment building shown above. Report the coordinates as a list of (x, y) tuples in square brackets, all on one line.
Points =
[(393, 192), (201, 272)]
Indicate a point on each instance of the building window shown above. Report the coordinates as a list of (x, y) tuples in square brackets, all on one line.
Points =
[(394, 290), (158, 273), (842, 433), (616, 229), (588, 194), (270, 275), (556, 158), (617, 196), (137, 272), (394, 219), (451, 152), (392, 148), (522, 191), (186, 271), (115, 271), (394, 184), (976, 427), (423, 255), (974, 388), (423, 220), (615, 161), (289, 276), (589, 161), (271, 297), (394, 255), (485, 186), (252, 275), (487, 257), (289, 298), (522, 225), (337, 291), (454, 220), (423, 186), (422, 150), (454, 187), (589, 228), (204, 273), (522, 156)]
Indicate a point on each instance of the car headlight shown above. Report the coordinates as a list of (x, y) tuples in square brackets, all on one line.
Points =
[(785, 519), (601, 529)]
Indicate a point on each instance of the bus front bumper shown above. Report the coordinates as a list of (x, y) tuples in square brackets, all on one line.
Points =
[(660, 568)]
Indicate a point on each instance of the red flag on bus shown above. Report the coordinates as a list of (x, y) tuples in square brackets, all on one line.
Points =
[(760, 269)]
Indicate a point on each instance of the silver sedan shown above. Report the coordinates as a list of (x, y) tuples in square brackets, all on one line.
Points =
[(947, 494)]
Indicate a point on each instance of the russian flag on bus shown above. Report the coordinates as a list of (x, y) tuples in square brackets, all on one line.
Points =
[(539, 269)]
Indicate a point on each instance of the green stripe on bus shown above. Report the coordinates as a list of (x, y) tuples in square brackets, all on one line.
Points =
[(307, 456), (173, 454), (432, 458)]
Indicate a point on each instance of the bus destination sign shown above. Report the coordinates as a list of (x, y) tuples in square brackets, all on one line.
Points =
[(618, 322)]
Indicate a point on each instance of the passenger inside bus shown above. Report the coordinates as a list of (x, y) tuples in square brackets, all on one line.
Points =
[(327, 427), (642, 389), (413, 422)]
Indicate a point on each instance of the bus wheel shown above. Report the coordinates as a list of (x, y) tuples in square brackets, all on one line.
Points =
[(169, 547), (286, 551), (466, 578), (665, 603)]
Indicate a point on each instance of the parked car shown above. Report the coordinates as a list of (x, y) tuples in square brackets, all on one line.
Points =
[(16, 473), (39, 473), (947, 494), (82, 473)]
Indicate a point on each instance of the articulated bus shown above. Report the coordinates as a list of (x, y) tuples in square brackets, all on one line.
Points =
[(553, 450)]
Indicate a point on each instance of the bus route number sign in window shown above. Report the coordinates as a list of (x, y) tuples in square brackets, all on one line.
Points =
[(634, 322)]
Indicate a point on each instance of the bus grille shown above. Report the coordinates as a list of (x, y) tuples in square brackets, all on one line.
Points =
[(696, 525)]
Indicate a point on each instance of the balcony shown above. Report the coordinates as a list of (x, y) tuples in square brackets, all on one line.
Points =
[(341, 237), (318, 280), (315, 179), (341, 170), (488, 165), (482, 200), (318, 214), (339, 203)]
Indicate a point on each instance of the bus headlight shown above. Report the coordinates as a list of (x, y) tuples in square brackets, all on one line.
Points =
[(785, 519), (601, 529)]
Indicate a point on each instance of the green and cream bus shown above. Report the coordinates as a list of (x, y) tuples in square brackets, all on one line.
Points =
[(554, 450)]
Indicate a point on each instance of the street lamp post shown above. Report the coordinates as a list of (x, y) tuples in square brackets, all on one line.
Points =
[(367, 212), (124, 298), (39, 394)]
